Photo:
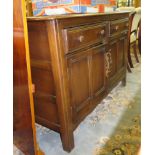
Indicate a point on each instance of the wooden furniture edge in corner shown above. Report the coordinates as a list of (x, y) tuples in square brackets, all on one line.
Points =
[(24, 130), (39, 151)]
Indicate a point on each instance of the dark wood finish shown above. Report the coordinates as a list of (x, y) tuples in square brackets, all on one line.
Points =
[(131, 16), (119, 26), (139, 36), (76, 60), (79, 99), (133, 44), (77, 37), (24, 133), (117, 51), (98, 72)]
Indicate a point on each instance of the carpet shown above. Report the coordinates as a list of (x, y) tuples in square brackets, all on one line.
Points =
[(126, 138)]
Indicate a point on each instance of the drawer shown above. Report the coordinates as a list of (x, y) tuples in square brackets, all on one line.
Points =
[(119, 26), (79, 37)]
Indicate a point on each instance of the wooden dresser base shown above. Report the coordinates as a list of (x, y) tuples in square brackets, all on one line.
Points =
[(76, 60)]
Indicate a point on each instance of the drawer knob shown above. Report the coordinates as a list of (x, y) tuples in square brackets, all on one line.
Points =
[(116, 27), (102, 32), (81, 38)]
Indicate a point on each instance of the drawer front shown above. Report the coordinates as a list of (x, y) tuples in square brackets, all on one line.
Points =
[(119, 26), (79, 37)]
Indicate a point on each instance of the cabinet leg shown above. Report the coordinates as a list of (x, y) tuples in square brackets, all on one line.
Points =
[(124, 82), (67, 141)]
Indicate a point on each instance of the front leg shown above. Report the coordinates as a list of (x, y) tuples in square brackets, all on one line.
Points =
[(67, 140)]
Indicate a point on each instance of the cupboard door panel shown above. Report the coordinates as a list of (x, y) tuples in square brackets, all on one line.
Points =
[(79, 79), (121, 53), (98, 70)]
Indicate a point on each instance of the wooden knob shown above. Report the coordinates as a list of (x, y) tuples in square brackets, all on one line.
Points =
[(81, 38), (116, 27), (102, 32), (109, 50)]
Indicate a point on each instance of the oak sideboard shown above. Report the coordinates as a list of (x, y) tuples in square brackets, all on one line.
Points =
[(76, 60)]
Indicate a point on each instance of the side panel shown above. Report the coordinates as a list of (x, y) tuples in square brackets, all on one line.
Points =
[(42, 76)]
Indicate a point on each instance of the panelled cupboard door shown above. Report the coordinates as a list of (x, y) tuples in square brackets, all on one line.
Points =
[(121, 52), (79, 82), (116, 59), (98, 70)]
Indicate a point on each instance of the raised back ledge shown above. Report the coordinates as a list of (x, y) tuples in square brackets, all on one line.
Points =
[(53, 17)]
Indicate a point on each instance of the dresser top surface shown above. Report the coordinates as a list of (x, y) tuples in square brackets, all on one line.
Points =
[(77, 15)]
